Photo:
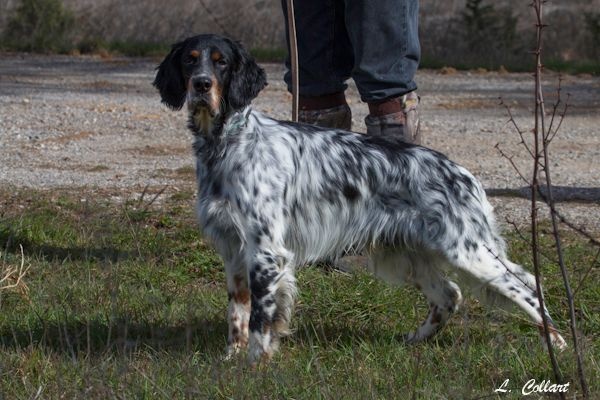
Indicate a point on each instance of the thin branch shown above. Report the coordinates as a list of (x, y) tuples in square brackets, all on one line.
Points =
[(568, 223), (508, 270), (214, 18), (516, 126), (554, 108), (584, 277), (562, 117), (161, 191), (15, 274), (510, 160), (143, 194), (522, 237)]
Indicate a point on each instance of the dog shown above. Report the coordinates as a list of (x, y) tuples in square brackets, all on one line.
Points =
[(274, 195)]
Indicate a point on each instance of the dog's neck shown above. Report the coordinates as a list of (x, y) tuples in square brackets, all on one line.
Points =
[(201, 123)]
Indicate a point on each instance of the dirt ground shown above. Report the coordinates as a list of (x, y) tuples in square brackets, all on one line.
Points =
[(97, 126)]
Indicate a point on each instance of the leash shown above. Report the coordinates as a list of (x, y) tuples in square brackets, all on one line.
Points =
[(293, 58)]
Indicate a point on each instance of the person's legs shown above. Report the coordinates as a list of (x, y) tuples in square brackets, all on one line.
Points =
[(384, 37), (325, 62)]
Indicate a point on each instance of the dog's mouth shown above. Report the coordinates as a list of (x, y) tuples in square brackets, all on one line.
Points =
[(203, 114), (201, 105)]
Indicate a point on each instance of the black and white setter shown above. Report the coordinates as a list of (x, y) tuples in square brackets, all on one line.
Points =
[(274, 195)]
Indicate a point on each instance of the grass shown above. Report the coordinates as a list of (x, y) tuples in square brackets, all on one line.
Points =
[(568, 67), (128, 301)]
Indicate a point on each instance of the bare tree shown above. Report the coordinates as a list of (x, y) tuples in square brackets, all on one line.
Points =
[(540, 155)]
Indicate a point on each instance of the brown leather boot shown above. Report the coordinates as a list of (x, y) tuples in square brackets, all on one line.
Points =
[(328, 111), (395, 117)]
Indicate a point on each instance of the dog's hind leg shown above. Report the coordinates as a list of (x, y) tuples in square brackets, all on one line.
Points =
[(496, 273), (426, 273), (443, 295)]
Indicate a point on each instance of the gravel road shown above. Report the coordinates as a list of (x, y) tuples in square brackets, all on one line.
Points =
[(96, 125)]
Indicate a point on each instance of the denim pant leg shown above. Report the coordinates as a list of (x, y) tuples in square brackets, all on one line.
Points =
[(385, 40), (325, 55)]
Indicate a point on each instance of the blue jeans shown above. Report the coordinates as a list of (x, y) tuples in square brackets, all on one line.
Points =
[(375, 42)]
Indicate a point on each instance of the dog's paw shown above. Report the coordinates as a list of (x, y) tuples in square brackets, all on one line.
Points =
[(261, 348), (411, 338), (232, 351)]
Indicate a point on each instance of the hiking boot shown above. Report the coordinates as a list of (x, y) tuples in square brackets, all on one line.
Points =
[(339, 117), (327, 111), (395, 117)]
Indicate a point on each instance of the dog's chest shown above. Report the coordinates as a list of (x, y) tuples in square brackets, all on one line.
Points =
[(216, 208)]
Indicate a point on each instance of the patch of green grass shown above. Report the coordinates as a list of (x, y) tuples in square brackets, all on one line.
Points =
[(128, 300), (139, 49), (526, 65), (129, 48), (269, 54), (188, 170), (574, 67), (98, 168), (184, 195)]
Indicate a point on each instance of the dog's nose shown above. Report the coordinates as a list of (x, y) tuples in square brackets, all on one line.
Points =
[(202, 83)]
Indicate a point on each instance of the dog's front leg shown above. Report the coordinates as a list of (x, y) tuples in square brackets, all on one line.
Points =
[(238, 310), (272, 292), (229, 247)]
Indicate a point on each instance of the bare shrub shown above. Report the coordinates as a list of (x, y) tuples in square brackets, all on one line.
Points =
[(475, 33), (39, 25), (256, 23), (592, 40)]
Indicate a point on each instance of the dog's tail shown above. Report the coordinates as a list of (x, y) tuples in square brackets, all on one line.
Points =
[(490, 274), (498, 281)]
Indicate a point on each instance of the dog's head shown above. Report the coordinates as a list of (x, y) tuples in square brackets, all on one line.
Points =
[(212, 73)]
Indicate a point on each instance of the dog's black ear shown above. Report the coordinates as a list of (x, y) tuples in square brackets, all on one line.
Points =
[(247, 78), (169, 78)]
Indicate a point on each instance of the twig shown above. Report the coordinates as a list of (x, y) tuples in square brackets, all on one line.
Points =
[(526, 240), (161, 191), (19, 272), (214, 18), (562, 116), (514, 123), (555, 108), (501, 261), (584, 277), (142, 195), (568, 223), (537, 132), (510, 160)]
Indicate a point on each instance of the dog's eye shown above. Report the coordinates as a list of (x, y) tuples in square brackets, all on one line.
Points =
[(190, 60), (221, 62)]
